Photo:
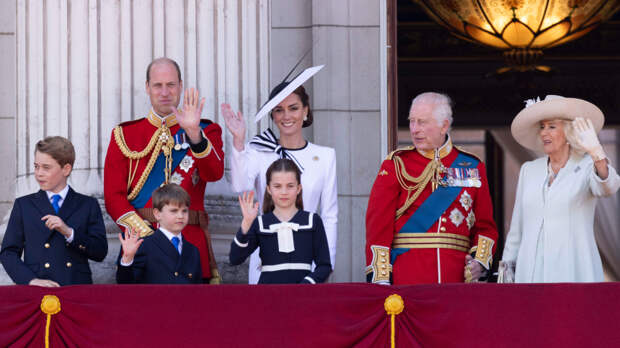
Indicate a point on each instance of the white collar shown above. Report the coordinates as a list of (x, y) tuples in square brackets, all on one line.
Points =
[(62, 193), (169, 234)]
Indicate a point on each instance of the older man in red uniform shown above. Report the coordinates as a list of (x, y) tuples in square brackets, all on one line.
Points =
[(429, 217), (167, 146)]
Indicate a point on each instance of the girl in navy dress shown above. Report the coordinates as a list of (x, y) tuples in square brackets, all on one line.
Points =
[(290, 239)]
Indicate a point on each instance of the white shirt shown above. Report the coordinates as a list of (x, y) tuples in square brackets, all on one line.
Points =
[(169, 235), (318, 180), (63, 195)]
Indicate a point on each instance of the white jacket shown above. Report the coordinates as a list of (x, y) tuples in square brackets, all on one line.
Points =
[(565, 219)]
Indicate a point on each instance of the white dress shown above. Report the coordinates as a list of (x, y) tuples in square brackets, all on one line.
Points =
[(318, 180), (551, 235)]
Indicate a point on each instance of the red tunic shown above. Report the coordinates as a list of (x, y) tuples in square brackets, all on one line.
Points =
[(469, 216), (192, 174)]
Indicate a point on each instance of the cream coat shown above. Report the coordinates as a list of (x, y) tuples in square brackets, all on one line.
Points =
[(565, 219)]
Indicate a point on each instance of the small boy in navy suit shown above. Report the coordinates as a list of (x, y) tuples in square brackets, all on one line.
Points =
[(57, 229), (164, 257)]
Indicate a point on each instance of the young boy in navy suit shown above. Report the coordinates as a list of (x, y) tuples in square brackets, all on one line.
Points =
[(57, 229), (164, 257)]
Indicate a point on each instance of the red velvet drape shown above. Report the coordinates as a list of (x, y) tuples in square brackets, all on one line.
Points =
[(328, 315)]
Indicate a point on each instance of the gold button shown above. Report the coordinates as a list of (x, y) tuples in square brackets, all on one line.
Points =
[(189, 275), (383, 259), (176, 274), (443, 219), (383, 273), (383, 253), (442, 229), (47, 265), (383, 266), (46, 245), (68, 264)]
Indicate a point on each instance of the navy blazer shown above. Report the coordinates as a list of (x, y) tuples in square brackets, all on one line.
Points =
[(47, 255), (158, 262)]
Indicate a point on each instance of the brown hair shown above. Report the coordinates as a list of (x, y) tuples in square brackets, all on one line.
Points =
[(170, 194), (59, 148), (282, 165), (305, 100)]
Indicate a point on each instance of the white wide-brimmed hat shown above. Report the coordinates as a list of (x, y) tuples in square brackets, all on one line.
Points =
[(525, 127)]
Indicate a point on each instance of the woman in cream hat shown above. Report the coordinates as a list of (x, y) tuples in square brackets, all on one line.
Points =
[(551, 236)]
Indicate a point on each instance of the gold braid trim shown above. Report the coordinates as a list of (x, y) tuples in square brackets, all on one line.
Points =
[(122, 145), (160, 141), (432, 172)]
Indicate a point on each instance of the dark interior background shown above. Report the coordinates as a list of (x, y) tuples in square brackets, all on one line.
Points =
[(431, 59)]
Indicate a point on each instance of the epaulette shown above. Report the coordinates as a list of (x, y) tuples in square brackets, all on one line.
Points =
[(205, 122), (469, 153), (129, 123), (406, 148)]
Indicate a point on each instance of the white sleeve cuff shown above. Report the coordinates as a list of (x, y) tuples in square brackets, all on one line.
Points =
[(310, 280), (70, 238), (241, 245)]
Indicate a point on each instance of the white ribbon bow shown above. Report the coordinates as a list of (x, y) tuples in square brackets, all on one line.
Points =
[(285, 235)]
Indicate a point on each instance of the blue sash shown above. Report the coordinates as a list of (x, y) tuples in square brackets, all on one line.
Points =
[(157, 175), (435, 205)]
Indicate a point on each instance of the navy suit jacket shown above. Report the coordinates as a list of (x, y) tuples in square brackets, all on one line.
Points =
[(158, 262), (47, 255)]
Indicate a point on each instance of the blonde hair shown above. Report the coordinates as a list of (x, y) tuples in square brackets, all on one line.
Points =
[(569, 133)]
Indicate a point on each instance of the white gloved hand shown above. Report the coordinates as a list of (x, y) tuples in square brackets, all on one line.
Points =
[(506, 272), (587, 138)]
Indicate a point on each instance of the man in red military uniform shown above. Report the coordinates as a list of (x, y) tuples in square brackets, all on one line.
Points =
[(429, 217), (168, 145)]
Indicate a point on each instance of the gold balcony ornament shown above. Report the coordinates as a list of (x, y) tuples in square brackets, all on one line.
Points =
[(50, 305), (522, 28), (393, 305)]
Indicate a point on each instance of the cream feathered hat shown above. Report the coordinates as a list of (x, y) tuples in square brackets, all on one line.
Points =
[(526, 125)]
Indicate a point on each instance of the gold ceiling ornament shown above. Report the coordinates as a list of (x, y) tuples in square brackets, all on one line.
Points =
[(522, 28)]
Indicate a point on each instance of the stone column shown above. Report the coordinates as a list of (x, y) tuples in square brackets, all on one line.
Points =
[(81, 69), (347, 106), (346, 99)]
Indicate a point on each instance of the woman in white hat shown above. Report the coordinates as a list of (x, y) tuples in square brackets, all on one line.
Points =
[(249, 162), (551, 236)]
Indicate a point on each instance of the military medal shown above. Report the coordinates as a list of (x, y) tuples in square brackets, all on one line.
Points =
[(184, 145), (195, 177), (176, 178), (177, 145), (186, 163)]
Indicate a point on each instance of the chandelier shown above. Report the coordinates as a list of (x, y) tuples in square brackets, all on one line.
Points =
[(522, 28)]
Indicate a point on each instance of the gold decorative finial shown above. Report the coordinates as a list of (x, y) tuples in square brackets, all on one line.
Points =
[(394, 304), (50, 304)]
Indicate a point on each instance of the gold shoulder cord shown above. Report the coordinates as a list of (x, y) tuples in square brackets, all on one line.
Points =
[(431, 173), (161, 140)]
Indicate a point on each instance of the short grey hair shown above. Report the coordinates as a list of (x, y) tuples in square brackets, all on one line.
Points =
[(441, 104)]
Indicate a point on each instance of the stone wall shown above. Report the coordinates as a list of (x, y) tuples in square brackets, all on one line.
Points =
[(78, 69)]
